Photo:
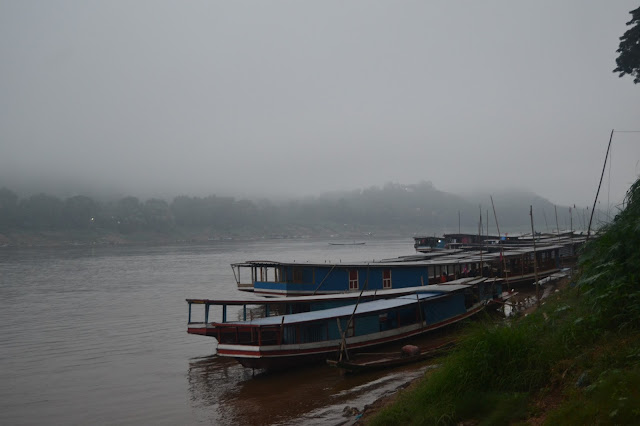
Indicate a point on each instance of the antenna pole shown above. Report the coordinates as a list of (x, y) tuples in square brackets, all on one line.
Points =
[(504, 261)]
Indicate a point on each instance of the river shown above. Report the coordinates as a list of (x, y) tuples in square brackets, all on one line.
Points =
[(97, 335)]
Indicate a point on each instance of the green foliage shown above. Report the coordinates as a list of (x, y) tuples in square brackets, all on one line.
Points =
[(628, 60), (611, 399), (611, 268), (585, 342)]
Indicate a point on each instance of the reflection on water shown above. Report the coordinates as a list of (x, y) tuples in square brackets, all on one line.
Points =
[(525, 298), (311, 395)]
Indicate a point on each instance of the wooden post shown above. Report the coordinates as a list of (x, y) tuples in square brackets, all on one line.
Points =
[(422, 324), (343, 342)]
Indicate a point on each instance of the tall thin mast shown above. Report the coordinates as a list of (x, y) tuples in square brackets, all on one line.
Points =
[(599, 184)]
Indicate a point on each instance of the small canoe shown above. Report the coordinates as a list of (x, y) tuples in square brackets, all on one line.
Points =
[(364, 362)]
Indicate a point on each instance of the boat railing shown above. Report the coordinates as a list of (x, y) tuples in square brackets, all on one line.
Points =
[(243, 310), (249, 335)]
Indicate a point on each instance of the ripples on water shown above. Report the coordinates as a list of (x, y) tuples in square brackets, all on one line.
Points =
[(98, 336)]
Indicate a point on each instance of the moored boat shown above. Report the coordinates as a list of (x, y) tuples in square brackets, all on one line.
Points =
[(354, 243), (515, 265), (281, 341)]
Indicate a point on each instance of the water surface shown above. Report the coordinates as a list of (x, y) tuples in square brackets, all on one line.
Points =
[(98, 336)]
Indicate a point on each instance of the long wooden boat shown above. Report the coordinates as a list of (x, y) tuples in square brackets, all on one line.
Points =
[(282, 341), (363, 362), (515, 265)]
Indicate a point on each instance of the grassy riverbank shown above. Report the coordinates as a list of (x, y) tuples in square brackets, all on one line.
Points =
[(576, 360)]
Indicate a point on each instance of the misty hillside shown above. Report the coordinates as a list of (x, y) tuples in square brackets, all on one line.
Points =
[(392, 210)]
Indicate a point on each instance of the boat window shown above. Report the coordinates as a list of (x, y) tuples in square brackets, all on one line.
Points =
[(353, 279), (314, 333), (297, 275), (386, 278)]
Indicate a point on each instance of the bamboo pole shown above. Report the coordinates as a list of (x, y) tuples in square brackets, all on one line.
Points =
[(344, 341), (487, 222), (557, 226), (544, 214), (599, 184), (535, 258), (323, 280), (571, 221), (504, 261), (495, 216)]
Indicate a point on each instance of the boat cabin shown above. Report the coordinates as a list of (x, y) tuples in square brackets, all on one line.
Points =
[(297, 279), (303, 279)]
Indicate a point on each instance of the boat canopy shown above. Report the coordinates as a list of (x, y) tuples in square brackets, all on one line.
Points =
[(343, 311), (387, 293)]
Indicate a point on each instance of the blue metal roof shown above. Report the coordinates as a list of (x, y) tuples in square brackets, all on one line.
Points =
[(450, 286), (446, 257), (363, 308)]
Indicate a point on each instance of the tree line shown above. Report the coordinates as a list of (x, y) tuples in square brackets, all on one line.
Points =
[(127, 215), (415, 207)]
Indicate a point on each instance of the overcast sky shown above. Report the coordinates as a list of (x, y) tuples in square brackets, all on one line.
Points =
[(299, 97)]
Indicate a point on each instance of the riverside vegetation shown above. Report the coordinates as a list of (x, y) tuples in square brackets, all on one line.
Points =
[(573, 361)]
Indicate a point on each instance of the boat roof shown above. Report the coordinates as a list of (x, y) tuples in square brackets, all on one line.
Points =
[(417, 260), (450, 286), (342, 311)]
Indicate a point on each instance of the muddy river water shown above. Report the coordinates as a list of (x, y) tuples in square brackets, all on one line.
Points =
[(97, 335)]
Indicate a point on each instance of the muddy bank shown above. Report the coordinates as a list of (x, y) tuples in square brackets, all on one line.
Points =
[(369, 411)]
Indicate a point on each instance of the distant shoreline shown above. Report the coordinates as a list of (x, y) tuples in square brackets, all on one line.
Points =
[(52, 239)]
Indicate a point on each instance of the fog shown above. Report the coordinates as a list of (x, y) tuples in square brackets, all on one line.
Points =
[(290, 98)]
